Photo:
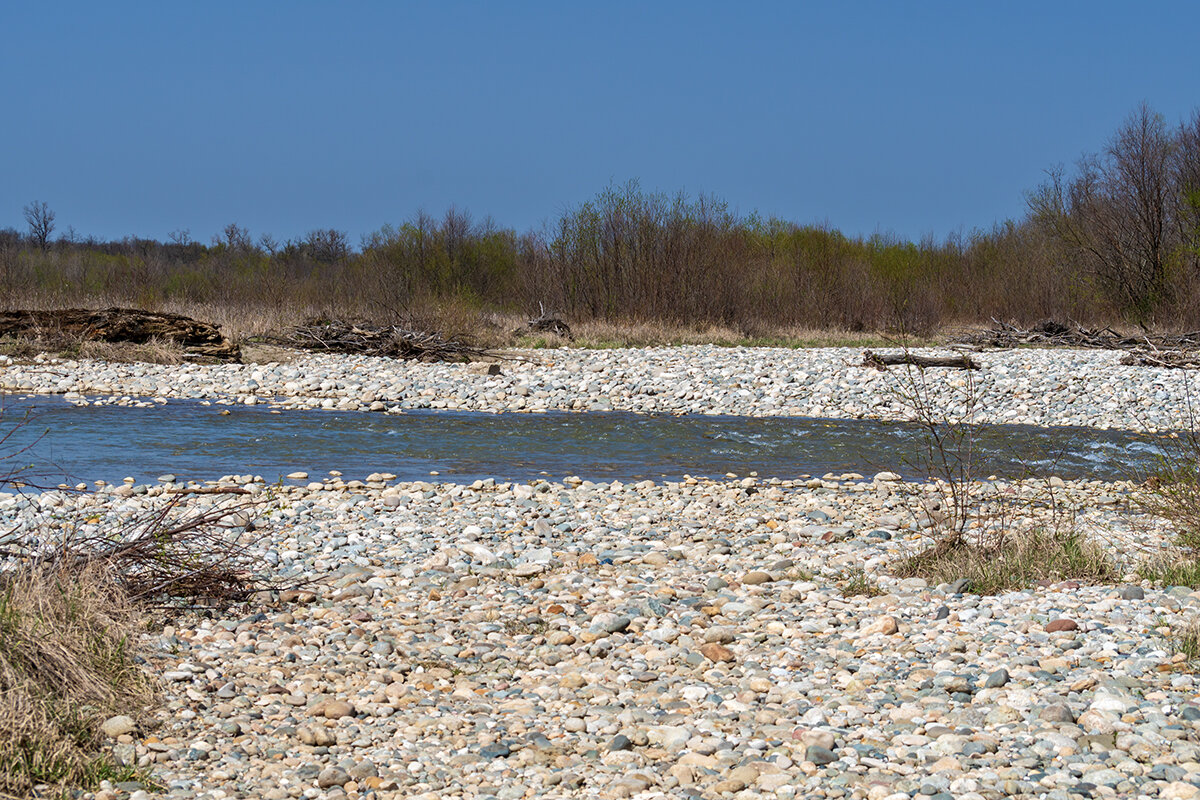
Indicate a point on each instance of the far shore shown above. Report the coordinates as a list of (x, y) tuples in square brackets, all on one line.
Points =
[(1023, 386)]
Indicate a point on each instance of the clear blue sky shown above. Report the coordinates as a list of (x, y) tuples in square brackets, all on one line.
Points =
[(908, 117)]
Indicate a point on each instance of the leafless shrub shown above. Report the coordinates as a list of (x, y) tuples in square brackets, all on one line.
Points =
[(991, 535), (172, 553)]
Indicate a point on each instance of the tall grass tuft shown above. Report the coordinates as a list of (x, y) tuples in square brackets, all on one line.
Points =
[(66, 642)]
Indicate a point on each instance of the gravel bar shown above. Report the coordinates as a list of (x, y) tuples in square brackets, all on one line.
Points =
[(1034, 387)]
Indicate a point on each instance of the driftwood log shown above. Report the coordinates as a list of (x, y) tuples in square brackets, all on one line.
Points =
[(133, 325), (882, 361), (392, 341)]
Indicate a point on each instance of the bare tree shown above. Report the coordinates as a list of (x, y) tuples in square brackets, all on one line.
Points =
[(268, 244), (1186, 174), (10, 248), (234, 237), (327, 245), (40, 219), (1115, 214), (456, 229)]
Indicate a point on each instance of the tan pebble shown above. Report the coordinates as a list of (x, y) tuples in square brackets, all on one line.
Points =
[(823, 739), (746, 774), (721, 634), (717, 653), (773, 781), (729, 785), (683, 773), (885, 626), (1178, 790), (946, 764), (336, 709)]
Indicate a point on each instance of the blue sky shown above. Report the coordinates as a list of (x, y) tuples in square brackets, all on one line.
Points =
[(903, 117)]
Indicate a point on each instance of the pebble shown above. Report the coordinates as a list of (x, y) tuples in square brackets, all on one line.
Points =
[(120, 725), (1061, 625)]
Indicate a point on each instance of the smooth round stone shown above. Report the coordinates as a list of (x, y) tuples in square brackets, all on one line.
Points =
[(997, 679)]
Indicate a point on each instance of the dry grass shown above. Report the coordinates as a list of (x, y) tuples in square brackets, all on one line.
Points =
[(1185, 639), (1012, 562), (155, 351), (600, 335), (1172, 569), (1173, 492), (65, 666), (855, 583)]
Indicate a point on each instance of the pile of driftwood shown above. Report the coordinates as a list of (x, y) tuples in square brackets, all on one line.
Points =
[(1005, 335), (133, 325), (1151, 356), (392, 341), (1176, 350), (546, 323)]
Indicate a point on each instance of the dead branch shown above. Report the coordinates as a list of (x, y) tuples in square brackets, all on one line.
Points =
[(881, 361), (167, 554), (1168, 359), (1169, 351)]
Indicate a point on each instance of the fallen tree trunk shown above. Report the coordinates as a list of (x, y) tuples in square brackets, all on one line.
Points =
[(882, 361), (132, 325)]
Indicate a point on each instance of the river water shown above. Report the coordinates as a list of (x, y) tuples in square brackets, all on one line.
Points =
[(63, 442)]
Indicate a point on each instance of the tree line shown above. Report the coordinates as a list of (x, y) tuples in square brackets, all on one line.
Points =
[(1114, 238)]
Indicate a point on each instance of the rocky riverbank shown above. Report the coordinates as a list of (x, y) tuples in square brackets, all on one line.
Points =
[(691, 639), (1037, 387)]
